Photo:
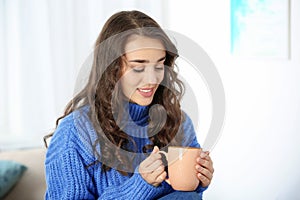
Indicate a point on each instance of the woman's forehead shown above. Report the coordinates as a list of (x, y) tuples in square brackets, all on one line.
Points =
[(136, 42), (146, 55)]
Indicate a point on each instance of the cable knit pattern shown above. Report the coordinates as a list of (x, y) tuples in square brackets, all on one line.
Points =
[(70, 151)]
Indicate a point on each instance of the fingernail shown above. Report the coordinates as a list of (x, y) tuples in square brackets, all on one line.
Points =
[(202, 155), (155, 149)]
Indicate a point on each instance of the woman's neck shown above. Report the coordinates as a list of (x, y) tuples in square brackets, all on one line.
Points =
[(139, 114)]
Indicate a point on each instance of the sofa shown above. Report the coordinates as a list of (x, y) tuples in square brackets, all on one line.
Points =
[(31, 185)]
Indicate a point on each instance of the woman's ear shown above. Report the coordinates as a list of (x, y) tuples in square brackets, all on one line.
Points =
[(123, 64)]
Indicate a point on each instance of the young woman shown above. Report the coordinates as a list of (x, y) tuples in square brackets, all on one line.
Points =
[(106, 144)]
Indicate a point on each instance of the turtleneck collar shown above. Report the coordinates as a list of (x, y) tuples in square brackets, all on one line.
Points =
[(139, 114)]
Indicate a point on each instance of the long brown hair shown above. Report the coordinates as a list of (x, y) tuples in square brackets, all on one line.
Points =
[(99, 95)]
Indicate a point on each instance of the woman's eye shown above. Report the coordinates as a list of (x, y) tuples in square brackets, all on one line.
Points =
[(138, 69), (160, 67)]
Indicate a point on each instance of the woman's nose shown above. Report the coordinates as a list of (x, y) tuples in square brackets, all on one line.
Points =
[(151, 77)]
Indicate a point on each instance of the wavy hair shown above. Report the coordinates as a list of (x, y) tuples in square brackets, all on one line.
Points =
[(102, 91)]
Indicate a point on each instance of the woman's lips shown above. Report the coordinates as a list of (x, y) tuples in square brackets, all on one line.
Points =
[(146, 92)]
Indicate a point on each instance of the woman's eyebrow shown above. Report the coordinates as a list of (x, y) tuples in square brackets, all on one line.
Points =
[(146, 61)]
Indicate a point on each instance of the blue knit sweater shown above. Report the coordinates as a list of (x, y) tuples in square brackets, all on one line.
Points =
[(70, 151)]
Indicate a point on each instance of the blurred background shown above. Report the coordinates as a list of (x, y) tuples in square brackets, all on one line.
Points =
[(253, 44)]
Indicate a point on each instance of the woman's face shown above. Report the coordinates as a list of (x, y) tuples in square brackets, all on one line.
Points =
[(142, 69)]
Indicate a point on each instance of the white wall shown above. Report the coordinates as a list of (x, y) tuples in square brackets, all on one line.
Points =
[(257, 156)]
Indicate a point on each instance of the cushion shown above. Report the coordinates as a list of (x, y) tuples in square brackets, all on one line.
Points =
[(10, 174)]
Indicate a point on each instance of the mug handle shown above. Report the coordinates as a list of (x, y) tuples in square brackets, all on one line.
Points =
[(166, 156)]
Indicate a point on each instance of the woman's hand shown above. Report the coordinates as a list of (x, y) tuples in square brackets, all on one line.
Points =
[(204, 168), (152, 169)]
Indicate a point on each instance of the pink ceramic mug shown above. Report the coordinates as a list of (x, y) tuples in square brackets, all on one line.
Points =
[(182, 171)]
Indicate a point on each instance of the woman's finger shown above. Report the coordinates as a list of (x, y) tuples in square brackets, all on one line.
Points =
[(153, 166), (205, 172), (205, 155), (159, 179), (206, 163), (152, 158), (204, 180), (157, 174)]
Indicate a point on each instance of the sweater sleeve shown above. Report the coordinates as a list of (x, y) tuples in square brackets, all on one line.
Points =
[(67, 178), (135, 188)]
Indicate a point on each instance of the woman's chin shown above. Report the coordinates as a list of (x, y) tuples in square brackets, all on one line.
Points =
[(145, 102)]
